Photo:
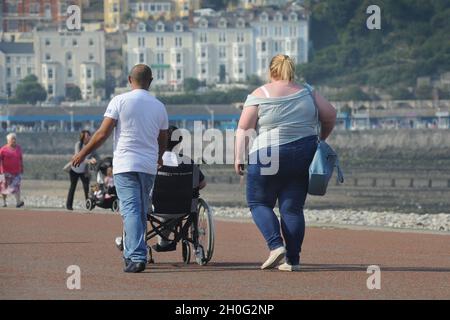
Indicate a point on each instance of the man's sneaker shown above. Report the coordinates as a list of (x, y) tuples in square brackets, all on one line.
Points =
[(274, 258), (134, 267), (165, 246), (289, 267), (20, 204)]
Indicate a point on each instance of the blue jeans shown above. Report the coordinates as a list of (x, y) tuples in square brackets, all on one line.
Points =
[(289, 186), (133, 190)]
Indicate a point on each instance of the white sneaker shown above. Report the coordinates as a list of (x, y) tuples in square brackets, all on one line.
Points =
[(274, 258), (289, 267), (119, 243)]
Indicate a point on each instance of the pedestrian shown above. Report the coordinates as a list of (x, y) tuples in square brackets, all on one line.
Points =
[(11, 170), (81, 172), (284, 115), (140, 124)]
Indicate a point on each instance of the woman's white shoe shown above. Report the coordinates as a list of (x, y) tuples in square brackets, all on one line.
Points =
[(274, 258), (289, 267)]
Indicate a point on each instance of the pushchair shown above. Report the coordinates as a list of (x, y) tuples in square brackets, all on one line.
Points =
[(102, 194)]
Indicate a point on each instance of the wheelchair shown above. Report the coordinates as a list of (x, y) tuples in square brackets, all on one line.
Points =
[(179, 215)]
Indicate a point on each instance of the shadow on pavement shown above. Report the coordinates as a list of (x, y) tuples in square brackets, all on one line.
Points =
[(237, 266)]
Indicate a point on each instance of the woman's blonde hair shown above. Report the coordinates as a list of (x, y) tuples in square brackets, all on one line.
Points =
[(282, 67)]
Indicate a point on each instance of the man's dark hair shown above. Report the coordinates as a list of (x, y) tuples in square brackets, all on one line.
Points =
[(142, 75), (170, 142)]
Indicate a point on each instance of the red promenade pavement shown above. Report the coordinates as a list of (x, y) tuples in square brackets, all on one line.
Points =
[(36, 248)]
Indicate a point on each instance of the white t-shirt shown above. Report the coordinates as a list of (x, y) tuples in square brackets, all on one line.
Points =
[(140, 117)]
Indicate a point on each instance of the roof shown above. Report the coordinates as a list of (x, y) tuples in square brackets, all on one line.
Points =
[(16, 47)]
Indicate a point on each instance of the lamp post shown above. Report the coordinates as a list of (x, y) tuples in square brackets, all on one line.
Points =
[(211, 112)]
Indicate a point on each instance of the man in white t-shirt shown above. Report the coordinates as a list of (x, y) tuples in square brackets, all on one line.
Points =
[(140, 124)]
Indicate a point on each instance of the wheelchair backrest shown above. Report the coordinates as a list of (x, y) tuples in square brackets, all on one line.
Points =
[(174, 189)]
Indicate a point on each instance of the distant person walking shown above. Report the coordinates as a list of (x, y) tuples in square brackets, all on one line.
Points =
[(288, 109), (140, 123), (11, 170), (82, 171)]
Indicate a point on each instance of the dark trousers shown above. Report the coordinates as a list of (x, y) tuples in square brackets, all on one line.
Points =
[(73, 185)]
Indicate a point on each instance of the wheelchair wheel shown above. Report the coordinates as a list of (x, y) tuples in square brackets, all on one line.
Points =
[(205, 231), (115, 205), (90, 204), (186, 251)]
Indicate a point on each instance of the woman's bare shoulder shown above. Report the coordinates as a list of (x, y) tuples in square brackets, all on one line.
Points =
[(258, 92)]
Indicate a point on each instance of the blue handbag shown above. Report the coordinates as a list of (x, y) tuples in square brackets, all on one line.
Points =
[(323, 164)]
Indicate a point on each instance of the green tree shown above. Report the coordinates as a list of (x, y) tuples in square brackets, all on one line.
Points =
[(30, 90), (424, 92), (73, 93), (254, 80), (191, 84)]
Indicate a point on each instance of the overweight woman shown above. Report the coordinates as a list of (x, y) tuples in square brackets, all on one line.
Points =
[(283, 113)]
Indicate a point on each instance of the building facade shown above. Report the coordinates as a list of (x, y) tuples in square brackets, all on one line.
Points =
[(24, 15), (221, 48), (167, 47), (114, 11), (64, 59), (16, 62)]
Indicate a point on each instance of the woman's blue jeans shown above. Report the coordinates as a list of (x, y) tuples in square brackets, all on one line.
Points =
[(133, 190), (289, 186)]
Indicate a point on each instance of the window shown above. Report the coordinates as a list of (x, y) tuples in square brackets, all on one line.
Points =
[(50, 89), (160, 42), (241, 68), (141, 58), (203, 38), (91, 42), (75, 42), (178, 74), (8, 59), (18, 71), (141, 42), (47, 42), (222, 52), (240, 37), (240, 52), (69, 73), (160, 58), (222, 37), (50, 73), (203, 69), (69, 56), (89, 73), (29, 71), (8, 89), (178, 58), (89, 89), (263, 46), (115, 7), (160, 74), (203, 53), (34, 8), (48, 57), (178, 42), (8, 72), (91, 56)]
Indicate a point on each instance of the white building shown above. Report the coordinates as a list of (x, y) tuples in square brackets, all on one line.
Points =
[(278, 32), (69, 58), (16, 62), (220, 48), (167, 47)]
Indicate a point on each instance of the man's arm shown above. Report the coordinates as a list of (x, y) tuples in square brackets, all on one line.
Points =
[(162, 142), (100, 136)]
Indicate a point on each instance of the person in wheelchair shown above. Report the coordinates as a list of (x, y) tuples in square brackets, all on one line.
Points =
[(173, 164)]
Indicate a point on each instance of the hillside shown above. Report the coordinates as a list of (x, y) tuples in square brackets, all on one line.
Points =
[(413, 42)]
